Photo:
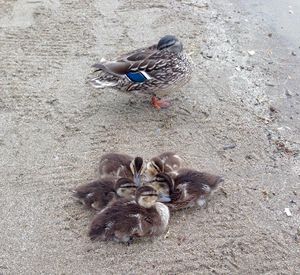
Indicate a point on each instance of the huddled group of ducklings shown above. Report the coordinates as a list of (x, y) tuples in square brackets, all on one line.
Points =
[(134, 198)]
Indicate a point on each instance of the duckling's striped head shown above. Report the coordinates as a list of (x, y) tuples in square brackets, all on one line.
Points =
[(164, 185), (154, 166), (146, 196), (125, 188), (137, 167)]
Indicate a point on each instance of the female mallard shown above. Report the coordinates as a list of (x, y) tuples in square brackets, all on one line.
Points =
[(158, 68)]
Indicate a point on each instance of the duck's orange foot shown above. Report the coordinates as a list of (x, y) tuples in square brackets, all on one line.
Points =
[(160, 103)]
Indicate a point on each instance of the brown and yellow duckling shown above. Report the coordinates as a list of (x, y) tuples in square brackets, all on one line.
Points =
[(98, 194), (125, 220), (189, 188), (167, 162), (122, 166)]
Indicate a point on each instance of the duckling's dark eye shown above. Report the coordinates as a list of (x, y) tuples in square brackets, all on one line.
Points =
[(156, 167)]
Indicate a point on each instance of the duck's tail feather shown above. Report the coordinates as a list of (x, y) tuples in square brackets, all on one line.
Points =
[(103, 77), (99, 83)]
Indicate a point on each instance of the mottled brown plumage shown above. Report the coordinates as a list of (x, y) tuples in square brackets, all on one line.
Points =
[(167, 162), (100, 193), (96, 194), (160, 67), (124, 220), (121, 166), (189, 188)]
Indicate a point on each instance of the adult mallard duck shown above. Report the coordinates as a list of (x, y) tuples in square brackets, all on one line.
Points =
[(158, 68)]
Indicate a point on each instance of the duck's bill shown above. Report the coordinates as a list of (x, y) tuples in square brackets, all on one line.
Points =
[(137, 180), (164, 198)]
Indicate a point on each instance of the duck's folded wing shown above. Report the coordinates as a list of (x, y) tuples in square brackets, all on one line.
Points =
[(183, 203), (144, 62), (135, 63), (139, 54), (117, 68), (123, 63), (137, 68), (82, 191)]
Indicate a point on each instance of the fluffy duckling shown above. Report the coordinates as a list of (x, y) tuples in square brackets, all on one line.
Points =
[(125, 220), (158, 68), (122, 165), (167, 162), (189, 188), (164, 185), (100, 193)]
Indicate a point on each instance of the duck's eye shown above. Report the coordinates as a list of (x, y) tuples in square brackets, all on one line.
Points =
[(156, 168)]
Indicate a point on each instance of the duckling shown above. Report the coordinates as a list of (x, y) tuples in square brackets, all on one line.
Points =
[(195, 187), (100, 193), (167, 162), (188, 189), (125, 220), (160, 67), (122, 165)]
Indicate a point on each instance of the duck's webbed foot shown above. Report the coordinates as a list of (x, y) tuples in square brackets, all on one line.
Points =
[(160, 103)]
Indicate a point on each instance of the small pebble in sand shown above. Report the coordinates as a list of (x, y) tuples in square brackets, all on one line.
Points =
[(297, 235), (288, 212), (272, 109), (229, 146), (251, 53)]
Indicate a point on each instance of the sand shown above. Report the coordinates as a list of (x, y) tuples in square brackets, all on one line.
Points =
[(55, 127)]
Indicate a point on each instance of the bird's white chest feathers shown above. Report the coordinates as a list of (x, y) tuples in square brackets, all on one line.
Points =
[(164, 213)]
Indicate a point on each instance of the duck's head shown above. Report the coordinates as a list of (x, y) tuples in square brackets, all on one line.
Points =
[(171, 43), (137, 167), (146, 196), (154, 166), (164, 185), (125, 188)]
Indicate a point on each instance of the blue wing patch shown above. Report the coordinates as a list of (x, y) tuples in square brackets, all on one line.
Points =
[(136, 77)]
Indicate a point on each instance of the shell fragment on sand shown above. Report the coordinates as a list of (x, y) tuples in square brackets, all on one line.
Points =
[(251, 53), (287, 211)]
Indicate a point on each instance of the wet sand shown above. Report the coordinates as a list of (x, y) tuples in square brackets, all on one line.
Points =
[(54, 128)]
